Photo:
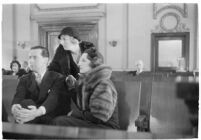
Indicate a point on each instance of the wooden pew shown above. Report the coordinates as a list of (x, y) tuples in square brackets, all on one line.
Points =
[(27, 131), (169, 113), (166, 85), (134, 100), (9, 85), (128, 103), (30, 131)]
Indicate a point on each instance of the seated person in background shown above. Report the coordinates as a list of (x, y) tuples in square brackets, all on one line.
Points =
[(4, 72), (25, 66), (95, 96), (16, 69), (39, 97), (140, 68)]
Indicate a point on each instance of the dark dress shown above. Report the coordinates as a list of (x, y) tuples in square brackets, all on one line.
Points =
[(63, 63)]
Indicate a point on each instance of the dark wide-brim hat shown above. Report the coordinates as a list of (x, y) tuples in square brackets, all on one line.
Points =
[(69, 31)]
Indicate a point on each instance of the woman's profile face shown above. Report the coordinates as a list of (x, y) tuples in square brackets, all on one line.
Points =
[(15, 67), (84, 63), (69, 43)]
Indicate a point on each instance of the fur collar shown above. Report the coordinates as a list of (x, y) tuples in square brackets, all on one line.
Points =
[(96, 75)]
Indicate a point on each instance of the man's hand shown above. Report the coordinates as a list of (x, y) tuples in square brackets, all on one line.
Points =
[(16, 111), (25, 115)]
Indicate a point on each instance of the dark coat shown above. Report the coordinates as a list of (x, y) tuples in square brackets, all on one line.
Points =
[(63, 63), (51, 93), (20, 73)]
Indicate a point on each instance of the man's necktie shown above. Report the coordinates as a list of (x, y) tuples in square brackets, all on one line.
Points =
[(38, 78)]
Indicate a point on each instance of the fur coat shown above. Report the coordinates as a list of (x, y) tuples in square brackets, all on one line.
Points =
[(97, 97)]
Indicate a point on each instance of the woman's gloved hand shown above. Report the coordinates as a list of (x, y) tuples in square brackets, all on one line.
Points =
[(70, 81)]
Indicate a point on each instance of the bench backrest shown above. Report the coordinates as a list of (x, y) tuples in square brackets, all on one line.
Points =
[(128, 102), (169, 114), (9, 85)]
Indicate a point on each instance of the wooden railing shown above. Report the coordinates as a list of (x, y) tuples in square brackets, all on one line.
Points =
[(12, 130)]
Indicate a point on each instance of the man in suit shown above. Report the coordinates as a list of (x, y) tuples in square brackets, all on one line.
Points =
[(40, 95)]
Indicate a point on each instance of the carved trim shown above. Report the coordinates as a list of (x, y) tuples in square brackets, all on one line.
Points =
[(179, 27), (163, 19), (157, 11), (67, 8)]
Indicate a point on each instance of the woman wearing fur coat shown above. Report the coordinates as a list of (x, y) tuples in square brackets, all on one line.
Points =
[(95, 96)]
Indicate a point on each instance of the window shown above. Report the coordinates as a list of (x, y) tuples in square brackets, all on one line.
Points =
[(168, 49)]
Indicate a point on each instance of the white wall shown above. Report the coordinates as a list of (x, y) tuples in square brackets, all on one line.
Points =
[(7, 36), (115, 31), (23, 30), (129, 25), (16, 28), (140, 25)]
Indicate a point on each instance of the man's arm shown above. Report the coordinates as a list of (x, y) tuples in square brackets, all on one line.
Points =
[(53, 95), (20, 91), (18, 97)]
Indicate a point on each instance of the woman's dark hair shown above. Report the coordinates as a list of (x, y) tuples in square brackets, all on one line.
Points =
[(15, 62), (84, 45), (94, 56)]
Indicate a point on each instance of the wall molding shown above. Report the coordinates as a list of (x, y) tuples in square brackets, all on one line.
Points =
[(182, 9), (78, 7), (166, 21), (182, 27), (165, 17)]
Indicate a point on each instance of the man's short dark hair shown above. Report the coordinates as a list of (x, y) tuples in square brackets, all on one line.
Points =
[(44, 51)]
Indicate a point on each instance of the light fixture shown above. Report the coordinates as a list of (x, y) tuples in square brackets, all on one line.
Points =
[(113, 43), (23, 44)]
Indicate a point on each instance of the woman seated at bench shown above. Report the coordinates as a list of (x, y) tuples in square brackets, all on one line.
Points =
[(16, 70), (94, 95)]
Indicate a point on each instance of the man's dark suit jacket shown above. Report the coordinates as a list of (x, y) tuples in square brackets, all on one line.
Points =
[(51, 93)]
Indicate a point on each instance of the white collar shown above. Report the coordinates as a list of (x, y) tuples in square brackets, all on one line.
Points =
[(41, 75)]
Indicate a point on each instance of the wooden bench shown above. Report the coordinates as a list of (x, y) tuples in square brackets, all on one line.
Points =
[(169, 113), (9, 85), (13, 131), (128, 100), (128, 103), (141, 97), (28, 131)]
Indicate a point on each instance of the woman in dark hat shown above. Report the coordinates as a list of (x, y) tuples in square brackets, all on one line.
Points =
[(68, 53)]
